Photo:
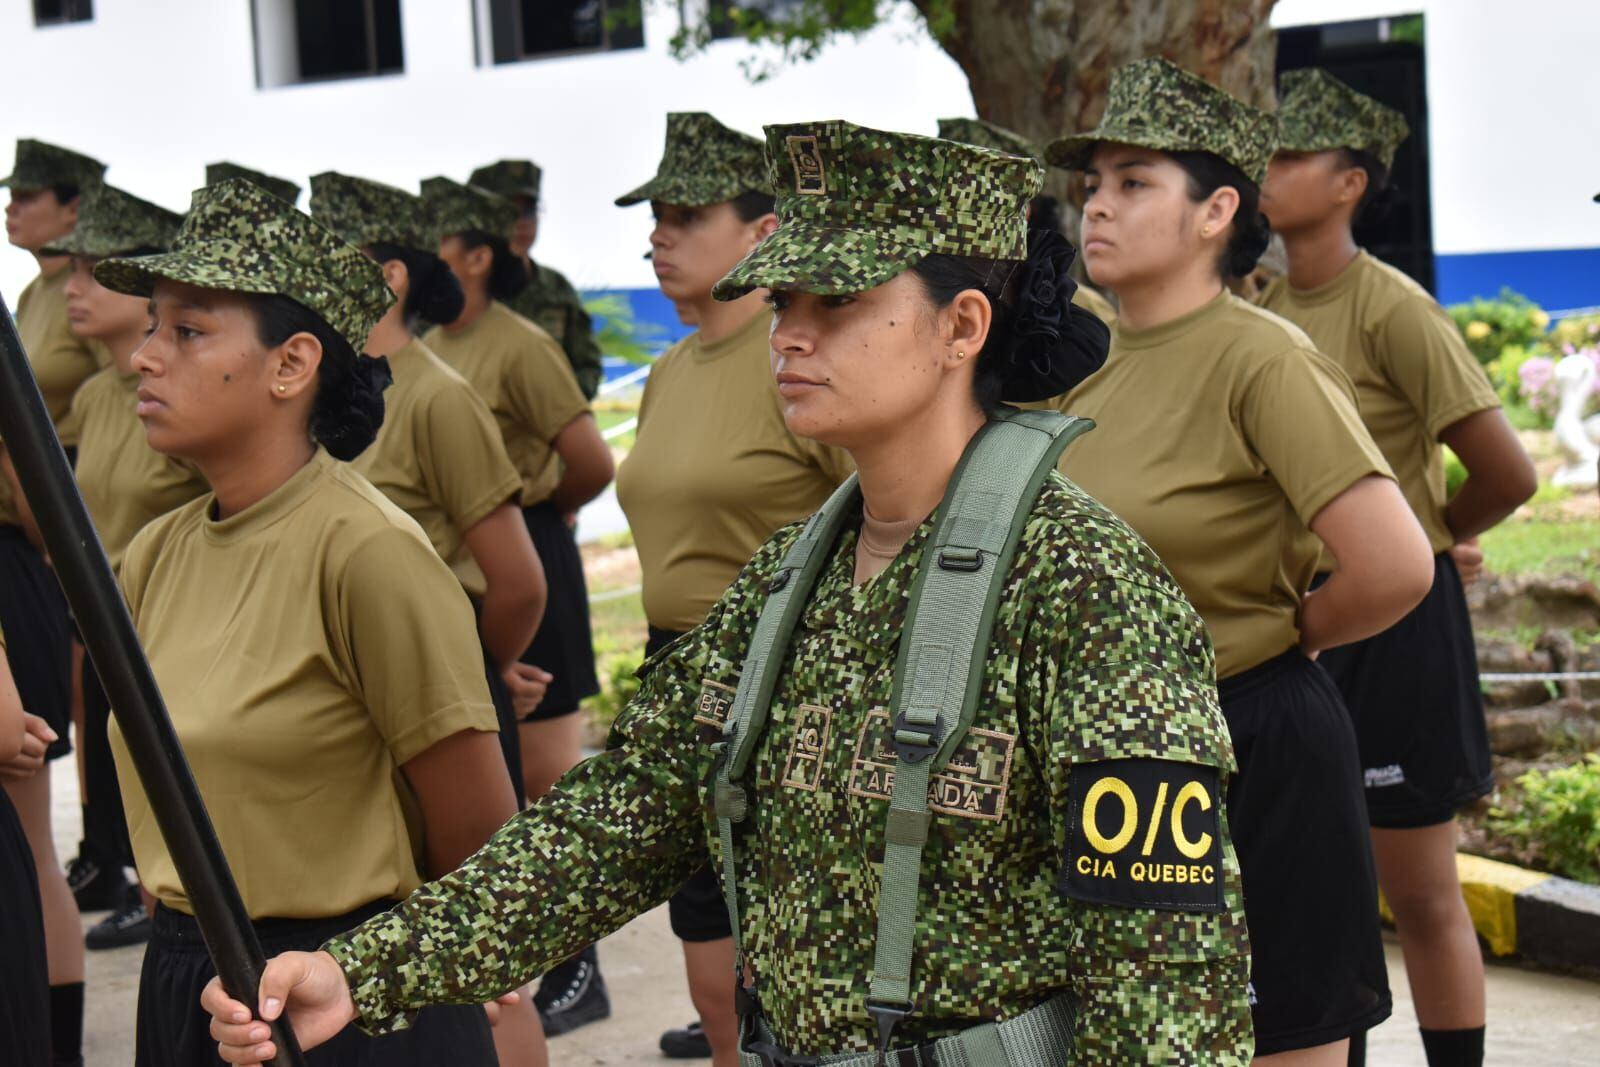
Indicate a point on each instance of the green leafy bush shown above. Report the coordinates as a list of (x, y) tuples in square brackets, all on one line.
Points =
[(618, 686), (1489, 325), (1557, 817), (620, 334), (1455, 472)]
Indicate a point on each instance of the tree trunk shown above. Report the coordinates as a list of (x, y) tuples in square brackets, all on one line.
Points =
[(1041, 67)]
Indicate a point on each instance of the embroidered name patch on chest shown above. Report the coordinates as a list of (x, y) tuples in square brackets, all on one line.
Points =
[(973, 785), (1144, 833), (716, 700)]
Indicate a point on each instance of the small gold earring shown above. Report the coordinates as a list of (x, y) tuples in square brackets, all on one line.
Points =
[(283, 388), (961, 355), (1205, 231)]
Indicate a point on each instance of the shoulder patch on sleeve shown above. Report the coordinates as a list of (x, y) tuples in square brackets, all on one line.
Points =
[(1144, 833)]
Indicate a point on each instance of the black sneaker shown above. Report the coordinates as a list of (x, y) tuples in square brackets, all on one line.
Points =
[(128, 925), (93, 887), (573, 995), (690, 1043)]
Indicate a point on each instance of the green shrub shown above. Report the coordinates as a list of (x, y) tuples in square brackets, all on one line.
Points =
[(618, 686), (1489, 325), (1455, 473), (1558, 819)]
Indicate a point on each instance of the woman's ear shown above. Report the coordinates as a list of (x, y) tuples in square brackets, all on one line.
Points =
[(967, 320), (1351, 185), (397, 278), (297, 361), (479, 261), (1217, 213)]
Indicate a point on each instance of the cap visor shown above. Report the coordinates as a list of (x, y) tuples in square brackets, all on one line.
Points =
[(830, 261), (138, 275), (687, 192), (1074, 153)]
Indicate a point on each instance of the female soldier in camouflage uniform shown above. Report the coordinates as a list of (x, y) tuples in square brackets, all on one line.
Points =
[(1234, 448), (1078, 901), (1413, 689), (549, 299), (269, 609)]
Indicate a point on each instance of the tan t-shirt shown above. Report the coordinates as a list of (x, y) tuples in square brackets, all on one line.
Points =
[(1221, 435), (714, 471), (1414, 375), (439, 457), (60, 361), (524, 377), (124, 482), (307, 647)]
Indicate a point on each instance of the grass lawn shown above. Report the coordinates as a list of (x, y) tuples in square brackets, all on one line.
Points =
[(1546, 547)]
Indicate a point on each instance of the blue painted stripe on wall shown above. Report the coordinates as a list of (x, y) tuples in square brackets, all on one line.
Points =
[(1557, 279), (1554, 278)]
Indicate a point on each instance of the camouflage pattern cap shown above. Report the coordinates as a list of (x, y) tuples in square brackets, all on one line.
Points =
[(1153, 104), (282, 188), (39, 166), (857, 207), (509, 178), (112, 222), (239, 237), (988, 135), (367, 213), (1318, 112), (457, 208), (704, 163)]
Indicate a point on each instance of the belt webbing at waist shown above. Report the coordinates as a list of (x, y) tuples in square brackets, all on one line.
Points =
[(1041, 1037)]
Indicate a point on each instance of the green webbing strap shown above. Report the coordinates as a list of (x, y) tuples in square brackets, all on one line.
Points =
[(938, 674), (1041, 1037), (943, 648), (788, 593)]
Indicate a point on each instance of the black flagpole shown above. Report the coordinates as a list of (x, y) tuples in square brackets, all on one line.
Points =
[(113, 646)]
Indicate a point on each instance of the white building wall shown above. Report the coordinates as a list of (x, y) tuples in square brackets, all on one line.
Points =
[(1515, 138), (159, 88)]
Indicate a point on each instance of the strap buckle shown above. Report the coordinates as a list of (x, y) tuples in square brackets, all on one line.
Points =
[(887, 1016), (961, 558), (914, 742)]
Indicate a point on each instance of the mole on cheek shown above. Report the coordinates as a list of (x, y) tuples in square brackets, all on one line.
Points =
[(226, 378)]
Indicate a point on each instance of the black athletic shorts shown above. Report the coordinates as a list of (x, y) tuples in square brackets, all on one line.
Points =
[(697, 910), (173, 1030), (38, 629), (1299, 826), (1413, 694), (24, 974), (563, 646)]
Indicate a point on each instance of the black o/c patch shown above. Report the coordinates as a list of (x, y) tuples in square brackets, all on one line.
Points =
[(1144, 833)]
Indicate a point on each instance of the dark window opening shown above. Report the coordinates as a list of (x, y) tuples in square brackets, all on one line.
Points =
[(58, 12), (348, 38), (539, 29), (1385, 59)]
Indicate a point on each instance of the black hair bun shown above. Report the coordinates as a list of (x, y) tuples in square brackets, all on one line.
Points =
[(1247, 245), (349, 408), (435, 294), (1053, 344)]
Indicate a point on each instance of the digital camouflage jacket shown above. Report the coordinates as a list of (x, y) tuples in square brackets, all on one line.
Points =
[(1078, 841)]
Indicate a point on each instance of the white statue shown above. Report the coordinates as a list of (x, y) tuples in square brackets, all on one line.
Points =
[(1574, 378)]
